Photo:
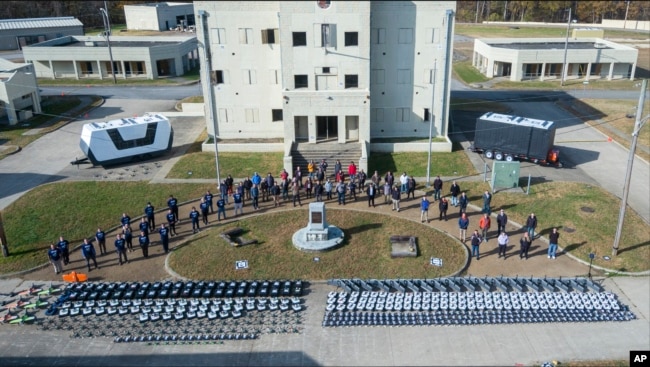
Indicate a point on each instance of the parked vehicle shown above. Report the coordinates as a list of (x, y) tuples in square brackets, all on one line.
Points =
[(125, 140), (506, 137)]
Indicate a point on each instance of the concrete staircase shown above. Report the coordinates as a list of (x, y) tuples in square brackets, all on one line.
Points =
[(302, 153)]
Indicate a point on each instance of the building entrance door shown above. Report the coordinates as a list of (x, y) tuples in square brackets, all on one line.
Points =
[(326, 128)]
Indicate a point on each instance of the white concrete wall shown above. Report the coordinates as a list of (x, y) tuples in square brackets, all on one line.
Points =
[(410, 147), (141, 17), (639, 25)]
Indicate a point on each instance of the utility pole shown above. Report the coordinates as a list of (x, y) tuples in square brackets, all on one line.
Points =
[(630, 161), (107, 32), (627, 7), (566, 48)]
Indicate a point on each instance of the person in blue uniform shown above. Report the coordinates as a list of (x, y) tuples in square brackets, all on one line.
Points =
[(221, 208), (88, 253), (54, 254), (172, 203), (144, 244), (164, 237), (126, 220), (144, 227), (205, 210), (64, 246), (128, 237), (149, 212), (171, 221), (120, 247), (100, 237), (209, 199), (194, 217)]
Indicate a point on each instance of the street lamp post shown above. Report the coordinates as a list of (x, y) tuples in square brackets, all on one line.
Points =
[(107, 32), (566, 48)]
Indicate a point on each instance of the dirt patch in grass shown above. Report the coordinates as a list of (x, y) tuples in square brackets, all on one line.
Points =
[(365, 253)]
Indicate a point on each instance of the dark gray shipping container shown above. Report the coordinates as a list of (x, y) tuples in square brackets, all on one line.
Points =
[(513, 135)]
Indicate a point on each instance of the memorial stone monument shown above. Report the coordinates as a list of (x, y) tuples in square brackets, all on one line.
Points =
[(318, 235)]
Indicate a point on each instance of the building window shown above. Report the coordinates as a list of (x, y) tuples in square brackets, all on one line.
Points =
[(300, 81), (270, 36), (325, 35), (121, 144), (218, 77), (249, 77), (377, 76), (252, 115), (246, 36), (276, 115), (405, 36), (427, 115), (351, 81), (326, 70), (299, 39), (377, 114), (404, 76), (403, 114), (351, 38), (224, 115), (218, 36), (378, 36)]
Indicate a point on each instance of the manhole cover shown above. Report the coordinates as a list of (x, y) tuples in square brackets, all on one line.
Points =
[(587, 209), (569, 229)]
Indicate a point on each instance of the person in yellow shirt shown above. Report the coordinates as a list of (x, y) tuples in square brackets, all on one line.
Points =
[(311, 169)]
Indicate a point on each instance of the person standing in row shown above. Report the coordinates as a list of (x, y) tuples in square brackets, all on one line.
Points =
[(437, 188), (410, 188), (120, 247), (396, 197), (553, 240), (455, 191), (361, 177), (255, 196), (502, 220), (404, 181), (221, 209), (443, 205), (318, 191), (487, 199), (485, 223), (194, 217), (205, 210), (88, 253), (340, 190), (352, 188), (54, 255), (209, 198), (238, 202), (390, 179), (128, 237), (100, 237), (144, 244), (323, 166), (476, 242), (311, 169), (328, 189), (371, 191), (144, 227), (64, 246), (164, 237), (463, 223), (502, 241), (531, 224), (424, 209), (388, 190), (223, 190), (337, 167), (275, 193), (149, 212), (172, 204), (524, 243), (171, 222), (463, 202), (376, 179), (126, 220), (248, 185)]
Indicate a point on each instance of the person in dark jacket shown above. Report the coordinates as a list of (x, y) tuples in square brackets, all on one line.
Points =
[(120, 247), (221, 209), (524, 243), (64, 246), (194, 217), (553, 240), (209, 198), (410, 187), (126, 220), (88, 253), (371, 191), (463, 202), (396, 197), (164, 237), (205, 210), (476, 242), (437, 188), (463, 223), (455, 191), (171, 222), (128, 237), (172, 204), (100, 237), (149, 212), (443, 205), (144, 244), (255, 196), (531, 224), (55, 256), (144, 226), (502, 220), (487, 199)]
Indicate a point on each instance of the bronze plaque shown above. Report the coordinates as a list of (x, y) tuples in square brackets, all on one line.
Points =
[(317, 217)]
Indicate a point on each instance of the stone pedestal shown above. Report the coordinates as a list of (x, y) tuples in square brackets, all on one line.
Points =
[(318, 235)]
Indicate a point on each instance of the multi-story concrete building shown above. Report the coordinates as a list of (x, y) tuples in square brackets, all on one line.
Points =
[(19, 97), (17, 33), (162, 16), (316, 71)]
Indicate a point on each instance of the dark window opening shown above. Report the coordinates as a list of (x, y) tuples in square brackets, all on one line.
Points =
[(351, 38), (300, 38), (326, 70), (426, 114), (122, 144), (351, 81), (300, 81), (217, 77), (276, 115)]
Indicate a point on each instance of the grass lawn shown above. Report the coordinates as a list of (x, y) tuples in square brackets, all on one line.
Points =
[(49, 211), (466, 72), (53, 109), (365, 253), (415, 164), (559, 204), (238, 165), (480, 30)]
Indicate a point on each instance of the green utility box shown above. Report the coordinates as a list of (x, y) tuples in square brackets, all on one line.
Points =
[(505, 175)]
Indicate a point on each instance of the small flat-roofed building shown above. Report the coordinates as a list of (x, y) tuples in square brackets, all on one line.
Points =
[(19, 97), (17, 33), (159, 16), (543, 59), (88, 57)]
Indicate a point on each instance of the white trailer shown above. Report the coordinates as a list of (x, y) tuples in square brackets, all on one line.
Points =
[(125, 140)]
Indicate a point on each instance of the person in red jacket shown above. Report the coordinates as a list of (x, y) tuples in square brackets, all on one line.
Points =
[(485, 224)]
